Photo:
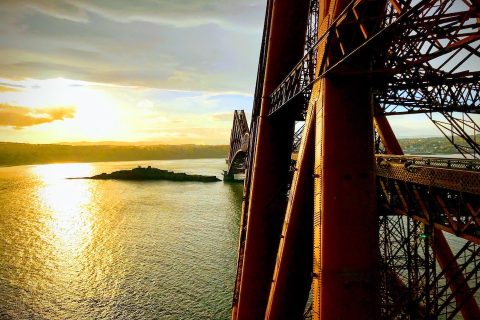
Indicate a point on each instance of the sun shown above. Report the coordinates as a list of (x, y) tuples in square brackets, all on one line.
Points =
[(96, 111), (96, 114)]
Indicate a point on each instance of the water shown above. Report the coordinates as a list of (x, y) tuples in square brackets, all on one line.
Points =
[(105, 249), (95, 249)]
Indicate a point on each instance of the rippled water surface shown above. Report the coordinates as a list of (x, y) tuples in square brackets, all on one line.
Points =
[(93, 249)]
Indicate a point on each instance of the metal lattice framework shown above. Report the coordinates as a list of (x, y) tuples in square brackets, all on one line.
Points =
[(460, 129), (423, 59), (415, 286), (239, 140), (423, 66)]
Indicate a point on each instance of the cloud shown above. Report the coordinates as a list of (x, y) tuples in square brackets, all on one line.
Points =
[(56, 8), (209, 46), (223, 116), (20, 117), (212, 135), (227, 13), (7, 89)]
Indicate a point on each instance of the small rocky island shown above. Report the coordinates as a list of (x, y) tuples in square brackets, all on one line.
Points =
[(150, 173)]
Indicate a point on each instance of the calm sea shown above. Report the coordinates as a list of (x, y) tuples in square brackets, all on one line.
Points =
[(93, 249)]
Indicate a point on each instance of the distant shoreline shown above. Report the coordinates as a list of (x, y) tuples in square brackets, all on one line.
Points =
[(106, 161), (21, 154), (18, 154)]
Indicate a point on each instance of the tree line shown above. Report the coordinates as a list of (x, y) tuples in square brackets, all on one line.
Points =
[(23, 153)]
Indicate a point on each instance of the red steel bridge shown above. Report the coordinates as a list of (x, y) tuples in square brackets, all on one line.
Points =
[(239, 139), (350, 227)]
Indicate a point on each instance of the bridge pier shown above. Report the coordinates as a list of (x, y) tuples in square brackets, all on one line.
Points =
[(228, 177)]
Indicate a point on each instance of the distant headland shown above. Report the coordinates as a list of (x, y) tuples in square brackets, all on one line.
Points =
[(12, 154), (149, 173)]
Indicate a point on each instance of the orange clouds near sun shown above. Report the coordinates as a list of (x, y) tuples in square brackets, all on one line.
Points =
[(7, 89), (20, 117)]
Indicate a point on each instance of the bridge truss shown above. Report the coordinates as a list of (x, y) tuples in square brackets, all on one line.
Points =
[(351, 228), (239, 140)]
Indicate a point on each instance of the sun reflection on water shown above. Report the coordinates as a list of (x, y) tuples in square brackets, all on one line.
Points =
[(75, 248), (67, 206), (96, 249)]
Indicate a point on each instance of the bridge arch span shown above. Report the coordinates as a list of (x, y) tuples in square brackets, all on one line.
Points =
[(239, 141)]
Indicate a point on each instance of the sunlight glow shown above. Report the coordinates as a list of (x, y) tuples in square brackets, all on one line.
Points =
[(107, 112), (96, 115), (67, 206)]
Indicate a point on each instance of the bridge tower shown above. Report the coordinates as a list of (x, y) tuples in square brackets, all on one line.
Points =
[(239, 140), (349, 227)]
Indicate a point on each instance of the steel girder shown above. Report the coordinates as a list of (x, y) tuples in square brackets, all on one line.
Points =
[(442, 192), (406, 43), (424, 56), (239, 140)]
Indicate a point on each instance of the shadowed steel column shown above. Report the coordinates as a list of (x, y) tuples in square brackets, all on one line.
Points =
[(272, 159), (292, 276)]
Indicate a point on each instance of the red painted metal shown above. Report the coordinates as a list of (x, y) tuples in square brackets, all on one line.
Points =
[(270, 167), (239, 139), (349, 221), (291, 280), (345, 284), (443, 253), (387, 136), (384, 48), (445, 258)]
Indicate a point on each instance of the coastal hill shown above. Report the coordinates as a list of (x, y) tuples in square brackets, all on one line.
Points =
[(23, 153), (425, 146)]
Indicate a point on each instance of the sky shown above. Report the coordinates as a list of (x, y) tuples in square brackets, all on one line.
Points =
[(120, 70)]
